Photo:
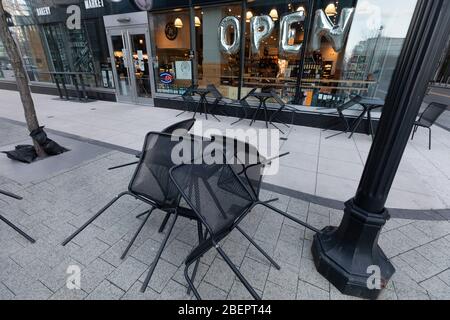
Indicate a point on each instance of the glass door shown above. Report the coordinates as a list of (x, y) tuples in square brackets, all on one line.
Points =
[(140, 57), (130, 55)]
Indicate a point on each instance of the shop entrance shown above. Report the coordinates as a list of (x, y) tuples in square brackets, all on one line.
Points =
[(130, 57)]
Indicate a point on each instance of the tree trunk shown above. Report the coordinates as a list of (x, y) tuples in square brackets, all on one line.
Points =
[(21, 77)]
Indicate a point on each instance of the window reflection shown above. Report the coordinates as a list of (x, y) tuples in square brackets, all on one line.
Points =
[(270, 67), (171, 45), (367, 63), (214, 67)]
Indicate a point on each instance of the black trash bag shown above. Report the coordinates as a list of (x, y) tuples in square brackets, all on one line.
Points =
[(22, 153), (50, 147), (39, 135), (53, 149)]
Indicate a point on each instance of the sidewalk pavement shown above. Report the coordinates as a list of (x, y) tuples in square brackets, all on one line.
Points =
[(326, 168), (58, 201)]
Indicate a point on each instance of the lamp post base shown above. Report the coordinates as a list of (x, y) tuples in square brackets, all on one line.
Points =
[(349, 256)]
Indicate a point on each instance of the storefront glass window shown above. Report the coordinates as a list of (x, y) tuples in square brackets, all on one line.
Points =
[(6, 72), (34, 56), (47, 44), (171, 49), (366, 63), (214, 67), (269, 66)]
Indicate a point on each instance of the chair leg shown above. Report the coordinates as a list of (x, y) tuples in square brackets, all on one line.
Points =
[(259, 248), (70, 238), (164, 223), (123, 165), (158, 255), (306, 225), (414, 132), (22, 233), (142, 214), (200, 239), (429, 138), (190, 281), (238, 274), (124, 254)]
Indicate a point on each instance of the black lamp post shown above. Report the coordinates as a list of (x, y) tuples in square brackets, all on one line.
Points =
[(347, 255)]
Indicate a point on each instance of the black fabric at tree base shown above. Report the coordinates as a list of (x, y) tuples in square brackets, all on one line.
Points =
[(22, 153), (50, 147), (27, 153)]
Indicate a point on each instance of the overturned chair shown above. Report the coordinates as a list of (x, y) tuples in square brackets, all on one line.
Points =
[(220, 199), (151, 184), (182, 125)]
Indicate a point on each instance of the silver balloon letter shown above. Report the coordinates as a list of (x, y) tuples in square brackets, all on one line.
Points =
[(226, 23), (260, 28), (336, 34), (287, 32)]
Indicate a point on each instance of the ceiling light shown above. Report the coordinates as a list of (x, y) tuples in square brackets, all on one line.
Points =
[(248, 16), (274, 14), (330, 10), (178, 23), (197, 21)]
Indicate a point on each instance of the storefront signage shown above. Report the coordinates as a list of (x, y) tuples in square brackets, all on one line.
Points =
[(43, 11), (261, 27), (183, 69), (166, 77), (93, 4), (335, 34)]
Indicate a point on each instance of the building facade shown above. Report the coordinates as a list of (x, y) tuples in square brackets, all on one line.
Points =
[(144, 51)]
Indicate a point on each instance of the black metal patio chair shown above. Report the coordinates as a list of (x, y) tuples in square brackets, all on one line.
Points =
[(339, 110), (9, 223), (188, 99), (182, 125), (221, 200), (282, 106), (151, 184), (428, 118), (218, 99), (245, 106)]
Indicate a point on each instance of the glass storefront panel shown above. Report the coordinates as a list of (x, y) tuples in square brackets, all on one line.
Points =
[(6, 72), (366, 63), (362, 64), (269, 66), (48, 44), (171, 49), (141, 66), (123, 72), (34, 56), (214, 67)]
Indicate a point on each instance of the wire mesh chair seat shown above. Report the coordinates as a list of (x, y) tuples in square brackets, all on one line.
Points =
[(428, 118), (152, 185), (222, 195), (182, 125)]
